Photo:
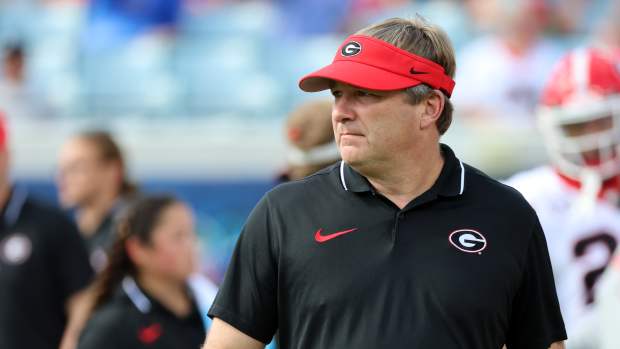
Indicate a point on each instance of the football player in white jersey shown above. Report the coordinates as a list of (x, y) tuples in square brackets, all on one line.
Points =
[(576, 196), (608, 305)]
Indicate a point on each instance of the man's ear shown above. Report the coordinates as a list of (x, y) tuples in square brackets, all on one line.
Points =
[(432, 107)]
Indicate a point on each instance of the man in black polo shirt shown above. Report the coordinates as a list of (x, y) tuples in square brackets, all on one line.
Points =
[(43, 268), (400, 245)]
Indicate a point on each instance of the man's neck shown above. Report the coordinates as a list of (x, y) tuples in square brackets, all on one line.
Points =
[(172, 295), (407, 177), (90, 217)]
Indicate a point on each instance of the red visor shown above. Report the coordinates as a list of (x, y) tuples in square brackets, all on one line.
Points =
[(3, 133), (373, 64)]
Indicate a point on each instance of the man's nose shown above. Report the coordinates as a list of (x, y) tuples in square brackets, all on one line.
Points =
[(342, 109)]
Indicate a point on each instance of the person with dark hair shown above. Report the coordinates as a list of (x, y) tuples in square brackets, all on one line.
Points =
[(44, 267), (400, 244), (142, 297), (92, 180)]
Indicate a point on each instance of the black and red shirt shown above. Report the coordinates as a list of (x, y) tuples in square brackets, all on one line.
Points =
[(331, 263), (132, 319)]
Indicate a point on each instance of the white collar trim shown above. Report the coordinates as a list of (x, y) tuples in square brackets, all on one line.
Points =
[(344, 184), (135, 295), (462, 177)]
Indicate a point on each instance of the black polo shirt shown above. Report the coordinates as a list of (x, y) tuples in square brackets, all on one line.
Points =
[(132, 320), (331, 263), (43, 261)]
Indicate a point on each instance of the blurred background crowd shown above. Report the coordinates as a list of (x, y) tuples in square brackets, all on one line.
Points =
[(197, 92)]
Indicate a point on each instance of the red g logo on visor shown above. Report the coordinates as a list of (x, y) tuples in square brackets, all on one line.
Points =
[(351, 49)]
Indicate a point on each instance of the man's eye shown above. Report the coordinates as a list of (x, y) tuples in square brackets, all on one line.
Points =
[(336, 93), (361, 93)]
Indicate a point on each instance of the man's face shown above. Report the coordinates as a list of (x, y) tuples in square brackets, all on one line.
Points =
[(80, 173), (373, 126)]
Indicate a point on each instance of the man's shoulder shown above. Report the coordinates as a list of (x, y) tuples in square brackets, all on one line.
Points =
[(480, 186), (44, 210), (476, 179), (41, 207)]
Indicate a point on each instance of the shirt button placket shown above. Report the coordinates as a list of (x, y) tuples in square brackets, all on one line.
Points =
[(400, 215)]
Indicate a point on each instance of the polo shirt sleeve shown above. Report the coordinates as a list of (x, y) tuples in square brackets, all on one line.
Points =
[(72, 267), (536, 321), (247, 298)]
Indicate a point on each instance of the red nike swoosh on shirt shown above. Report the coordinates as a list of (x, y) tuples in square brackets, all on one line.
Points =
[(322, 238)]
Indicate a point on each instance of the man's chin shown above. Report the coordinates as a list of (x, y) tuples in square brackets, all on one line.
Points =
[(350, 154), (348, 157), (353, 161)]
